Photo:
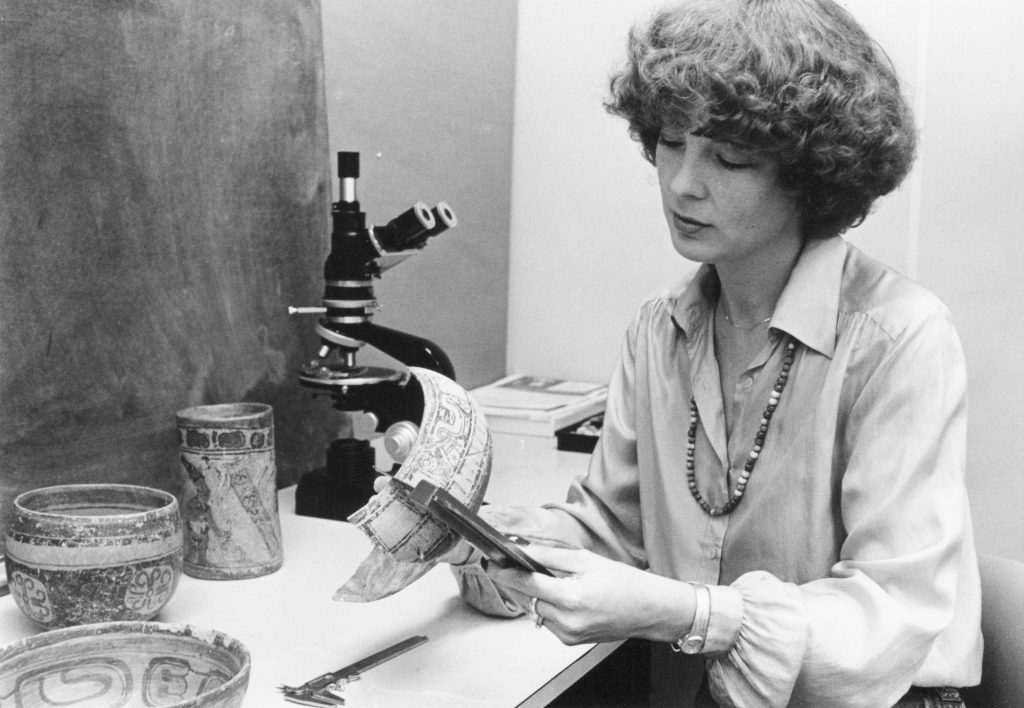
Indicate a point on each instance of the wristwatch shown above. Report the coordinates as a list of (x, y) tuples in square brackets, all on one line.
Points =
[(693, 641)]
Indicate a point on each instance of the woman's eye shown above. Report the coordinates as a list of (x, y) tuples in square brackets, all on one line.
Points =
[(733, 164), (669, 143)]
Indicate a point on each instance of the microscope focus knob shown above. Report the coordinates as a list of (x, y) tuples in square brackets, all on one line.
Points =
[(399, 439)]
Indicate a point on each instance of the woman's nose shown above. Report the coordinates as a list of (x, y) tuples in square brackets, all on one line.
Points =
[(686, 175)]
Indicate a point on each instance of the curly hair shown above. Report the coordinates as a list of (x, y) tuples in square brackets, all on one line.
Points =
[(799, 80)]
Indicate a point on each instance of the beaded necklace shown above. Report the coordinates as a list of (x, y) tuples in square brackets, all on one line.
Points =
[(737, 493)]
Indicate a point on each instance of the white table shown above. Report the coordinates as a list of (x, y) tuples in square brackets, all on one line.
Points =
[(294, 630)]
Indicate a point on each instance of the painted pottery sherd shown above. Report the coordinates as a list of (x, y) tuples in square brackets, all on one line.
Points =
[(83, 553), (229, 503), (117, 664), (453, 451)]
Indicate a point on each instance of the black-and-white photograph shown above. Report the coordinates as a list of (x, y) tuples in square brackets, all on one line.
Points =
[(511, 353)]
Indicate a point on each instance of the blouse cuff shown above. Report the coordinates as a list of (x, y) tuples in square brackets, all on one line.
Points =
[(761, 666), (726, 618)]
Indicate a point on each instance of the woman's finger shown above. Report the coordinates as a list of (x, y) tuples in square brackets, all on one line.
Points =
[(561, 560)]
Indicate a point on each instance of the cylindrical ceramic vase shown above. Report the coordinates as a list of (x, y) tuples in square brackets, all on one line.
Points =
[(83, 553), (229, 503)]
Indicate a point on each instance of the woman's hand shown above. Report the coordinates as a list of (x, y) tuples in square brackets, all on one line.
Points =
[(594, 599)]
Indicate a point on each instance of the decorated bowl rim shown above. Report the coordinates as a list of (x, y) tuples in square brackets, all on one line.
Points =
[(98, 630), (243, 414), (166, 499)]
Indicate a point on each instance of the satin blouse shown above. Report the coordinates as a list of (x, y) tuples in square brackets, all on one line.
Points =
[(848, 571)]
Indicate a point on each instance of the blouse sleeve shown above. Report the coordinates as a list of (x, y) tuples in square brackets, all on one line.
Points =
[(860, 636), (601, 512)]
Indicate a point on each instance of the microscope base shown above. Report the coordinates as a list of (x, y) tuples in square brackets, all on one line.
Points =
[(342, 487)]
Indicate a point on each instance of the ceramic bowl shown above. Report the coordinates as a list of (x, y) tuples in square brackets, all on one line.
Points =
[(125, 664), (453, 451), (83, 553)]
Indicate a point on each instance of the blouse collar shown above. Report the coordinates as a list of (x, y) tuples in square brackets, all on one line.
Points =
[(808, 308)]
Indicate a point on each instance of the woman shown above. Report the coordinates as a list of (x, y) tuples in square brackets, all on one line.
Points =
[(779, 482)]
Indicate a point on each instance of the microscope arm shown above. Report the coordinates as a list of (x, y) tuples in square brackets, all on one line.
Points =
[(406, 348)]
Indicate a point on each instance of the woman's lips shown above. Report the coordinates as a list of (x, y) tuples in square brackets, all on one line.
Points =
[(687, 225)]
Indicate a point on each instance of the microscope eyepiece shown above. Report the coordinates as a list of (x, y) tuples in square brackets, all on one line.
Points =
[(348, 164), (407, 230), (444, 217)]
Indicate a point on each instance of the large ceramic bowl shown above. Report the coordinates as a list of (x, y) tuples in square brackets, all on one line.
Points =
[(125, 664), (452, 450), (83, 553)]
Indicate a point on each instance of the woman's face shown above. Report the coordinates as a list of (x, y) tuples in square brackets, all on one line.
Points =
[(724, 205)]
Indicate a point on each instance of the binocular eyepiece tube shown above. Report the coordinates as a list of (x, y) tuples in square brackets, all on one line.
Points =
[(413, 227)]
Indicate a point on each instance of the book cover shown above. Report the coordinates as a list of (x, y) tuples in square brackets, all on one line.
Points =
[(538, 405)]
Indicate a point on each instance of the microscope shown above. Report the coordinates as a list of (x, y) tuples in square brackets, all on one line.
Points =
[(372, 399)]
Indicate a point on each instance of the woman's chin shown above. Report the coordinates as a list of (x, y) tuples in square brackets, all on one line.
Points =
[(692, 248)]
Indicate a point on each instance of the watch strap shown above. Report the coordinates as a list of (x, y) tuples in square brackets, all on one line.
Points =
[(693, 641)]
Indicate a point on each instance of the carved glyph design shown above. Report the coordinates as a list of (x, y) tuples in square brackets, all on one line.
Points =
[(32, 597), (218, 440), (169, 680), (102, 682), (149, 589)]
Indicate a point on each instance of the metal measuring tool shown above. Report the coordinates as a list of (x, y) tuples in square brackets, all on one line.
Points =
[(324, 690)]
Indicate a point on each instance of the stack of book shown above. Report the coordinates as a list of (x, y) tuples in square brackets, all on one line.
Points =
[(536, 405)]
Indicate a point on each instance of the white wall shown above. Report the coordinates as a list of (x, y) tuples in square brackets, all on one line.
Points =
[(972, 239), (588, 240), (424, 92)]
